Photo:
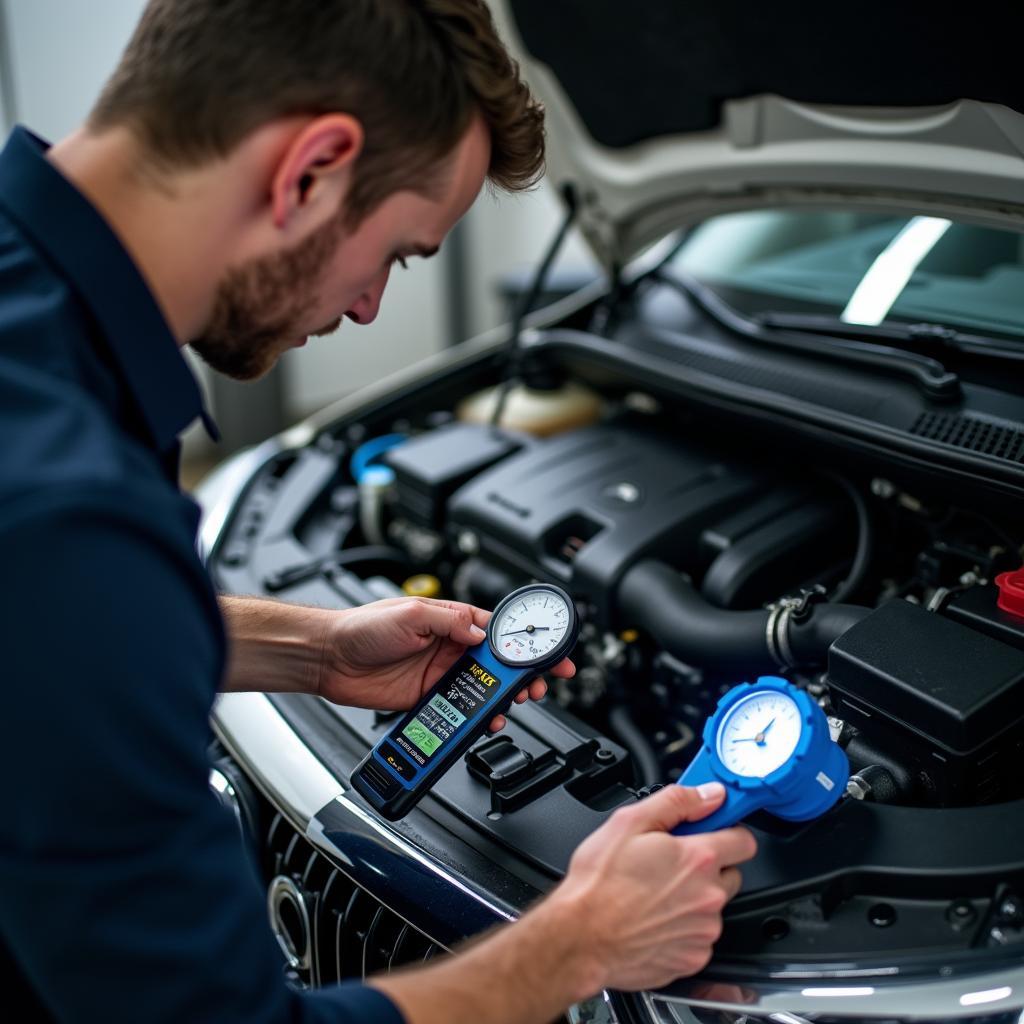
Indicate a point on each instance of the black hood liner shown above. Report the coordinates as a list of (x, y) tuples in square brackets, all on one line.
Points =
[(638, 70)]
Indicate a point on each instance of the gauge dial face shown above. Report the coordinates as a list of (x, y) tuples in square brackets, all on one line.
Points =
[(759, 734), (530, 626)]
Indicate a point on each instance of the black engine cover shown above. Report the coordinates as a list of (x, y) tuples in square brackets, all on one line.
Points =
[(584, 506), (581, 508)]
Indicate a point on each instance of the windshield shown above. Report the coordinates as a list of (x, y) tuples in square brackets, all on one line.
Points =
[(863, 268)]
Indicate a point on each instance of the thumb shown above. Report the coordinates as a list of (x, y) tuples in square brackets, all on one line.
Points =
[(666, 808)]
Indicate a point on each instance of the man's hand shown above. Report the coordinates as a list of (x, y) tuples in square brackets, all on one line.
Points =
[(648, 905), (387, 654), (637, 909)]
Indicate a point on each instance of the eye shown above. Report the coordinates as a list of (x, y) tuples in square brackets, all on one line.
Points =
[(400, 260)]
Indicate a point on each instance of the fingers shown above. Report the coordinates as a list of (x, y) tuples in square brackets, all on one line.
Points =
[(732, 882), (452, 620), (730, 845), (666, 808), (535, 691), (480, 615), (565, 669), (498, 722)]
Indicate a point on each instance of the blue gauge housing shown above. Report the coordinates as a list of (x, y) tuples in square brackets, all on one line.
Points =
[(809, 782)]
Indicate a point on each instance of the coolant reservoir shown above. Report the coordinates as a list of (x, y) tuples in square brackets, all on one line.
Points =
[(533, 411)]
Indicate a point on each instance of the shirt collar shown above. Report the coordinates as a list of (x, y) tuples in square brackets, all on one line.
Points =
[(78, 241)]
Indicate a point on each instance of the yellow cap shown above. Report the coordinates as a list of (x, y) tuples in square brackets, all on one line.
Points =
[(629, 636), (422, 585)]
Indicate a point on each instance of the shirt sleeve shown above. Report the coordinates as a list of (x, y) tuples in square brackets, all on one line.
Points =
[(125, 892)]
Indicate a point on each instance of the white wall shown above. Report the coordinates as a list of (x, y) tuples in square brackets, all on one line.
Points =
[(6, 119), (62, 52)]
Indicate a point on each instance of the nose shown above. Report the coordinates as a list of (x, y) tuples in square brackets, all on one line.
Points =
[(365, 309)]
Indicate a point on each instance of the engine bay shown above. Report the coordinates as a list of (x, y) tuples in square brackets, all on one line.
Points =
[(699, 556)]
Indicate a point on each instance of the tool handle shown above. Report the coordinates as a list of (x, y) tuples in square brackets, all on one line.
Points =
[(738, 803)]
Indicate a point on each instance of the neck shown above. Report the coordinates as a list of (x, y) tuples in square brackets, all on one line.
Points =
[(171, 226)]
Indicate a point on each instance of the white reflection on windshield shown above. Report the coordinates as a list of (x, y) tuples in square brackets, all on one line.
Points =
[(894, 266)]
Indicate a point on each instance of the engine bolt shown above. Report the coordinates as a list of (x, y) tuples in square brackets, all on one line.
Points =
[(467, 542), (858, 788), (960, 914), (881, 915), (1011, 909), (604, 755)]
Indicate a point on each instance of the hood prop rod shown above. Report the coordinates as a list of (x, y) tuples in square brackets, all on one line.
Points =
[(529, 300)]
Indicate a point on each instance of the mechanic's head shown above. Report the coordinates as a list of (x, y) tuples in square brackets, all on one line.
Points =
[(377, 121)]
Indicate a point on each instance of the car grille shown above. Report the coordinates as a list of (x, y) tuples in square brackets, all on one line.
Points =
[(345, 932)]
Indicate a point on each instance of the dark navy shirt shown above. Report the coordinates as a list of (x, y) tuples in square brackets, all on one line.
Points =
[(125, 894)]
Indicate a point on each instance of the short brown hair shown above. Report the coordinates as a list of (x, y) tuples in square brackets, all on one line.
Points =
[(200, 75)]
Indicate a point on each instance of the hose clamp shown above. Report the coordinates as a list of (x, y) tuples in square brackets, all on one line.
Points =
[(774, 611), (789, 608), (782, 614)]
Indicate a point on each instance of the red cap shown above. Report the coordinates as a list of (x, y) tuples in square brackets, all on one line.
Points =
[(1011, 591)]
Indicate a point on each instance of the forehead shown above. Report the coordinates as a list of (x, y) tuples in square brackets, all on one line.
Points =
[(470, 162), (459, 183)]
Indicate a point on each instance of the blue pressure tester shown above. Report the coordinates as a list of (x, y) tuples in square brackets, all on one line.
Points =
[(531, 630), (769, 744)]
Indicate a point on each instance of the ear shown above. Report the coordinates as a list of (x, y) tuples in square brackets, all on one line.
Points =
[(314, 171)]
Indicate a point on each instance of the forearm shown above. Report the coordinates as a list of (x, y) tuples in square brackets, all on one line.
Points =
[(273, 646), (526, 973)]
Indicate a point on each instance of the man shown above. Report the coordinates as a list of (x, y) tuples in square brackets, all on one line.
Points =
[(249, 177)]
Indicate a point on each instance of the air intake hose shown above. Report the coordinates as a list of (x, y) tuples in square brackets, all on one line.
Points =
[(811, 638), (656, 598)]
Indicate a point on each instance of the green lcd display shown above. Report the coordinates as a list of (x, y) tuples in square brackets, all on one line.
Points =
[(439, 719), (419, 734)]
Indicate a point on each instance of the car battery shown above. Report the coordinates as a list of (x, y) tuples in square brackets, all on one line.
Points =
[(949, 696)]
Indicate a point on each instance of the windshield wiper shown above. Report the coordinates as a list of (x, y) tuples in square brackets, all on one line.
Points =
[(929, 375), (927, 334)]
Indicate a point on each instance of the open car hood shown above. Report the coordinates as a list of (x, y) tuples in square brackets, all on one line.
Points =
[(664, 112)]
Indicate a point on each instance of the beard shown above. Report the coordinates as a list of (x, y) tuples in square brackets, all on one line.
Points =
[(259, 306)]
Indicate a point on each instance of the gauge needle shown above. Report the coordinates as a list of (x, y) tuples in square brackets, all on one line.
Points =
[(759, 738), (529, 629)]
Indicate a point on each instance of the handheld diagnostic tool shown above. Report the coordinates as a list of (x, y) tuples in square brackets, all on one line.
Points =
[(769, 743), (531, 630)]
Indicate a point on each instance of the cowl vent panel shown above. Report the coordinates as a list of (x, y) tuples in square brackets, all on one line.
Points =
[(973, 434)]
